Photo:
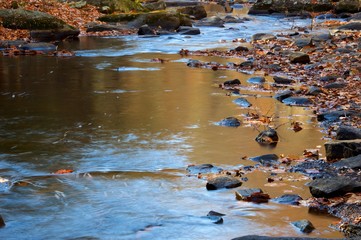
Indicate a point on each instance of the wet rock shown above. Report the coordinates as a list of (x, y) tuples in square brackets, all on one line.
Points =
[(252, 195), (53, 35), (2, 222), (194, 63), (351, 26), (256, 80), (263, 37), (297, 101), (230, 122), (328, 78), (282, 80), (94, 27), (146, 30), (7, 44), (291, 199), (241, 49), (314, 169), (333, 187), (246, 64), (350, 163), (203, 169), (197, 12), (336, 85), (185, 30), (335, 115), (267, 159), (232, 19), (348, 133), (283, 95), (44, 47), (216, 217), (342, 149), (242, 102), (232, 82), (268, 136), (299, 57), (220, 182), (213, 21), (304, 226), (213, 213)]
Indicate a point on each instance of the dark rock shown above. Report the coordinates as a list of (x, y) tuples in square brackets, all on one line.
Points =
[(314, 91), (216, 217), (247, 64), (335, 115), (314, 169), (146, 30), (283, 95), (161, 20), (297, 101), (333, 187), (303, 42), (94, 27), (203, 169), (291, 199), (44, 47), (252, 195), (343, 50), (223, 182), (2, 222), (53, 35), (274, 67), (232, 82), (256, 80), (322, 37), (213, 213), (185, 30), (153, 6), (351, 163), (348, 133), (335, 85), (7, 44), (263, 37), (304, 226), (328, 78), (230, 122), (349, 6), (282, 80), (267, 159), (242, 102), (299, 57), (194, 63), (342, 149), (232, 19), (268, 136), (213, 21), (256, 237), (326, 16), (241, 49), (197, 11), (351, 26)]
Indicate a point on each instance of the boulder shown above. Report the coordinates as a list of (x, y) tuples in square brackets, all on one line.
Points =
[(256, 80), (53, 34), (267, 159), (351, 163), (242, 102), (197, 11), (263, 37), (299, 57), (349, 6), (223, 181), (297, 101), (213, 21), (333, 187), (203, 169), (290, 199), (304, 226), (252, 195), (342, 149), (268, 136), (186, 30), (146, 30), (351, 26), (230, 122), (348, 133)]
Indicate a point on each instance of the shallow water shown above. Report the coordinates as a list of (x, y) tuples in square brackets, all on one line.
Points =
[(129, 127)]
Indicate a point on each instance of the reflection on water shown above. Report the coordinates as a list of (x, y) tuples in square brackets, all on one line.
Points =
[(129, 135)]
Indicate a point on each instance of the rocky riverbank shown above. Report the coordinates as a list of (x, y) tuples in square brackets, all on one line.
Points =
[(320, 71)]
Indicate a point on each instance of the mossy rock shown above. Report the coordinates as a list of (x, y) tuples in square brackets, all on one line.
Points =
[(31, 20), (350, 6), (123, 17), (124, 6)]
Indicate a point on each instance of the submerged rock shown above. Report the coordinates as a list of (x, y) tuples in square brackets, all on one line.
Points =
[(335, 85), (40, 46), (297, 101), (216, 217), (342, 149), (333, 187), (351, 26), (213, 21), (291, 199), (203, 168), (304, 226), (186, 30), (220, 182), (242, 102), (230, 122)]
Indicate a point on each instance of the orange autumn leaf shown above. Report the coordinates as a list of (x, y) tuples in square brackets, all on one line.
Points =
[(64, 171)]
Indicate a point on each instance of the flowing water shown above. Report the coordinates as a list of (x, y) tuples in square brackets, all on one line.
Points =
[(129, 127)]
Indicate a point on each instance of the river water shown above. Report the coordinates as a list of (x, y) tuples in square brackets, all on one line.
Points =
[(129, 127)]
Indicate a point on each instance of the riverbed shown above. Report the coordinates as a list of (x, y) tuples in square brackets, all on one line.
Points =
[(128, 126)]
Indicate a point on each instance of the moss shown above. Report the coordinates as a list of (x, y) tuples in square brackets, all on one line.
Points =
[(123, 17)]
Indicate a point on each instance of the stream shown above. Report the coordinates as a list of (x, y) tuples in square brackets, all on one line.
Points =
[(129, 127)]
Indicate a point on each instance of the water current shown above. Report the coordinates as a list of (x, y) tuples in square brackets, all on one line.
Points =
[(129, 127)]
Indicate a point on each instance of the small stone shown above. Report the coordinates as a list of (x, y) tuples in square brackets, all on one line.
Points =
[(263, 36), (269, 136), (252, 195), (256, 80), (241, 49), (304, 226), (2, 222), (232, 82), (223, 182), (291, 199), (242, 102), (230, 122), (283, 95), (299, 57), (297, 101), (203, 169)]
